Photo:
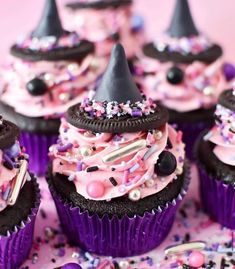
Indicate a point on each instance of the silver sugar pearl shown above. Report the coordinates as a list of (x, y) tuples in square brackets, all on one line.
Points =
[(134, 195)]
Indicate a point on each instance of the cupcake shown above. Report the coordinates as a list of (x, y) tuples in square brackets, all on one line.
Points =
[(118, 172), (184, 70), (216, 162), (105, 23), (19, 199), (49, 70)]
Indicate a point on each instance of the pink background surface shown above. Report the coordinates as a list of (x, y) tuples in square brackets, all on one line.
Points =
[(215, 17)]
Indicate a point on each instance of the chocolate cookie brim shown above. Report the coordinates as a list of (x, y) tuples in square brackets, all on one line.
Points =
[(77, 53), (9, 133), (120, 124), (227, 99), (213, 166), (99, 4), (118, 206), (12, 216), (207, 56), (37, 125)]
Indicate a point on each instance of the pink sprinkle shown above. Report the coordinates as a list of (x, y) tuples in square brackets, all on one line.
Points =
[(103, 264), (196, 259), (179, 137), (125, 177)]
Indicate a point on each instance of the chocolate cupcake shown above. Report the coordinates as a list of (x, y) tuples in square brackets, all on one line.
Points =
[(105, 23), (118, 172), (215, 156), (19, 199), (49, 70), (184, 70)]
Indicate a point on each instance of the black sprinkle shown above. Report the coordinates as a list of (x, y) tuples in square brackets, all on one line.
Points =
[(113, 181), (8, 165), (116, 266), (94, 148), (183, 213), (223, 264), (92, 169), (43, 214), (113, 169), (169, 144), (232, 262), (187, 237), (53, 260)]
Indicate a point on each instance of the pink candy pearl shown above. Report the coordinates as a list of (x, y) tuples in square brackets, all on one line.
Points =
[(196, 259), (95, 189)]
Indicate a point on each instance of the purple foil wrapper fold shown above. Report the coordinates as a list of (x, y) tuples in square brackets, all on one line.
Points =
[(16, 245), (191, 132), (117, 237), (218, 199), (37, 146)]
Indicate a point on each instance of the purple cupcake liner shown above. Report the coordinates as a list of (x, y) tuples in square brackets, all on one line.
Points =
[(191, 132), (117, 237), (16, 245), (218, 199), (37, 146)]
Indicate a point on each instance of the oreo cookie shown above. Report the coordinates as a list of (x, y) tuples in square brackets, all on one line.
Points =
[(227, 99), (9, 133), (208, 56), (98, 4), (76, 53), (118, 125)]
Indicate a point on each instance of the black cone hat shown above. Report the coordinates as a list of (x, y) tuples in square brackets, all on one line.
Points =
[(50, 23), (182, 24), (117, 83)]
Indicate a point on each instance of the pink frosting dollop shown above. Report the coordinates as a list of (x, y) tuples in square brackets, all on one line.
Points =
[(99, 25), (223, 135), (68, 82), (200, 88), (81, 155), (7, 175)]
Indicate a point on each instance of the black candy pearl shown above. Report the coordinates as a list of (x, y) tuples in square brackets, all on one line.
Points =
[(36, 87), (166, 164), (175, 75)]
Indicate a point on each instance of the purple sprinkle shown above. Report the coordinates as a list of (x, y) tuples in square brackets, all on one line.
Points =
[(79, 166), (136, 113), (65, 147)]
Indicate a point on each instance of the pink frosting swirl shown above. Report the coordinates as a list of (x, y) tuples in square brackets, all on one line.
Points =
[(87, 159), (9, 156), (200, 88), (99, 25), (68, 82), (223, 135)]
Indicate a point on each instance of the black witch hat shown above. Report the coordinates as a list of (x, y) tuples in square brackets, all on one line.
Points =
[(227, 99), (9, 133), (182, 25), (50, 25), (118, 86), (101, 4)]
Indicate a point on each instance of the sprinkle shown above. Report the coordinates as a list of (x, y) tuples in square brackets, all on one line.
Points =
[(92, 169), (65, 147), (184, 247), (134, 168), (79, 166), (113, 181), (71, 177), (125, 177), (150, 152)]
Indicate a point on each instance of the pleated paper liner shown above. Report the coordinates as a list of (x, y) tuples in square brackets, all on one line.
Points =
[(218, 198), (115, 236), (16, 245), (37, 146)]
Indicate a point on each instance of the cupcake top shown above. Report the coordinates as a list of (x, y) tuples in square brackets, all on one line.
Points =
[(51, 68), (183, 68), (118, 142), (222, 135), (13, 164)]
